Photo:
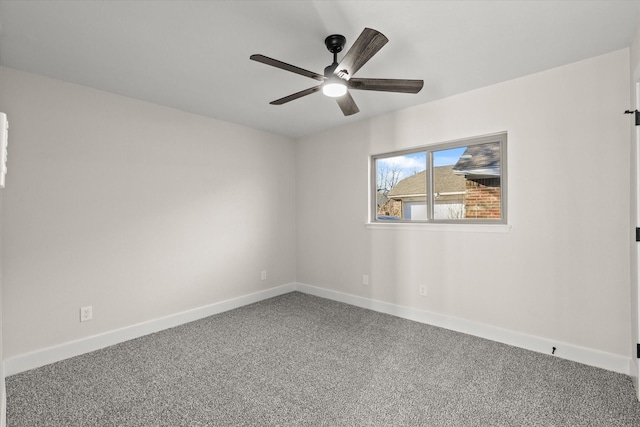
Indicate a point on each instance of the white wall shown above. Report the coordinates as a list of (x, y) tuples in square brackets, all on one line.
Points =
[(560, 273), (3, 391), (138, 210)]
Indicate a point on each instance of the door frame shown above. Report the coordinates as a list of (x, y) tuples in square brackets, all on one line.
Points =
[(635, 250)]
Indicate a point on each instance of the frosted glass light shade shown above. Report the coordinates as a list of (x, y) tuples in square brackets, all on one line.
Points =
[(334, 88)]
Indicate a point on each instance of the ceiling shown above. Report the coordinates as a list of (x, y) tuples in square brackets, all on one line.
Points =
[(194, 55)]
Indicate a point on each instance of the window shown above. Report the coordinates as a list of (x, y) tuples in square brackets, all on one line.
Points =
[(460, 182)]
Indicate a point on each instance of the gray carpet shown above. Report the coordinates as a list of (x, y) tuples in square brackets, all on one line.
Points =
[(299, 360)]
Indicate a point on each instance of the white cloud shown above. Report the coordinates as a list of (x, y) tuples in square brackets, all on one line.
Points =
[(404, 162)]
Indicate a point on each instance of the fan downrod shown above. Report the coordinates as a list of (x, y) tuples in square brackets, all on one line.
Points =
[(335, 43)]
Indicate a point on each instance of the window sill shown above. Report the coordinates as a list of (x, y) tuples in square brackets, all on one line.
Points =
[(469, 228)]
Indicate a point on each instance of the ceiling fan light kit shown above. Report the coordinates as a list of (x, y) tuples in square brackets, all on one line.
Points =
[(338, 77), (334, 87)]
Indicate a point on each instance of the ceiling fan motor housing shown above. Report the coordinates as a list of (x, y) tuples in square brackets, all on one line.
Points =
[(328, 71)]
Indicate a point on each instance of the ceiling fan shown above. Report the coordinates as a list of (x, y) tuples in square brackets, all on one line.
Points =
[(338, 77)]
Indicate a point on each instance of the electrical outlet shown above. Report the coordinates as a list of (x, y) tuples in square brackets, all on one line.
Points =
[(365, 280), (423, 290), (86, 313), (264, 275)]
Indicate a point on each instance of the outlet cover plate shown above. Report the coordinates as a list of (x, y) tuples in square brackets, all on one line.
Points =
[(86, 313)]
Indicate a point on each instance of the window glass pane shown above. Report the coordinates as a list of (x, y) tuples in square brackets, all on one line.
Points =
[(466, 182), (401, 185)]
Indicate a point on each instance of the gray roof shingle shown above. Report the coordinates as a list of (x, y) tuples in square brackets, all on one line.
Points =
[(480, 160), (445, 181)]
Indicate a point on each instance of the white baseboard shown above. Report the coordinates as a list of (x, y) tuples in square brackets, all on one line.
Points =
[(38, 358), (572, 352), (635, 376), (587, 356)]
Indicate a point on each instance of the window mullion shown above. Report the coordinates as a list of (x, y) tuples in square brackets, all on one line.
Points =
[(429, 186)]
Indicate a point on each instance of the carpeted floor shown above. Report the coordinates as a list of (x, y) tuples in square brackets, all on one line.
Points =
[(299, 360)]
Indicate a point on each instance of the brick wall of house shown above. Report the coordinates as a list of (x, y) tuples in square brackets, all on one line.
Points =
[(482, 199)]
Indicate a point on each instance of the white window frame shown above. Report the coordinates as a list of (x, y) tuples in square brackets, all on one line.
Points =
[(429, 150)]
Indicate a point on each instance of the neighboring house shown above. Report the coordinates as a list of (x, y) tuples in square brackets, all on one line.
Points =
[(480, 165), (468, 189), (408, 199)]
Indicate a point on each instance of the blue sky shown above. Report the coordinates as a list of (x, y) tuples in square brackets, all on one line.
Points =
[(413, 163), (448, 157)]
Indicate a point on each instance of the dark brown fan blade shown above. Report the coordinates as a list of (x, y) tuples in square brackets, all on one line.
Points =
[(386, 85), (287, 67), (347, 104), (368, 44), (296, 95)]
